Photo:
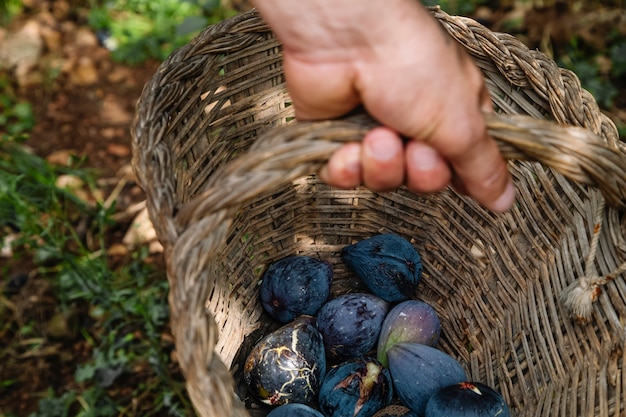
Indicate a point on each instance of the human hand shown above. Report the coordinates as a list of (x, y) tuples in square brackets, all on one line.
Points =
[(395, 60)]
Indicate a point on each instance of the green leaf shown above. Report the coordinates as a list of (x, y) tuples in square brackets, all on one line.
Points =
[(55, 407)]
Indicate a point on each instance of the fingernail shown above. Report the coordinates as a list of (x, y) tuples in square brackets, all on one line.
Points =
[(424, 158), (381, 150), (352, 159), (506, 199)]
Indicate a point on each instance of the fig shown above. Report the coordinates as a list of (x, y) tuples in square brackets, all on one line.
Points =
[(295, 286), (287, 365), (410, 321), (294, 410), (418, 371), (350, 324), (388, 265), (395, 411), (467, 399), (357, 387)]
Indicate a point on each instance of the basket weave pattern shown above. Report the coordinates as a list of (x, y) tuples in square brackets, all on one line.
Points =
[(230, 188)]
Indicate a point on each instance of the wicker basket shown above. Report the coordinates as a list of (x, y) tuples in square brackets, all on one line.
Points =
[(230, 188)]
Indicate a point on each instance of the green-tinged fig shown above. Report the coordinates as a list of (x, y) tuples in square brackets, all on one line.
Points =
[(395, 411), (467, 399), (388, 265), (419, 371), (287, 365), (295, 286), (355, 388), (410, 321), (350, 324), (294, 410)]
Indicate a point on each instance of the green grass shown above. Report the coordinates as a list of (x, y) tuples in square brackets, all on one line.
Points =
[(136, 30), (115, 309), (123, 308), (16, 115)]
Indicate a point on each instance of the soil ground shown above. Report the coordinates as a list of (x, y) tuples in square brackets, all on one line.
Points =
[(83, 104)]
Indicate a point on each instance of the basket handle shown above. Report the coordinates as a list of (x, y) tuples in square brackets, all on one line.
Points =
[(290, 151), (293, 150)]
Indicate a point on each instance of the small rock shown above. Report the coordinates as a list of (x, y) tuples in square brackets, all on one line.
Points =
[(61, 9), (155, 247), (118, 150), (62, 157), (126, 170), (6, 250), (85, 72), (51, 38), (113, 112), (74, 185), (70, 182), (22, 47), (86, 38), (141, 231), (21, 51), (68, 27), (119, 75), (117, 249), (45, 18), (108, 132)]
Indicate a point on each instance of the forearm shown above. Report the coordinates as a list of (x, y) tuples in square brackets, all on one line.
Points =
[(336, 29)]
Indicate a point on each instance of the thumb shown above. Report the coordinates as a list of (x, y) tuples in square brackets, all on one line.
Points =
[(483, 174)]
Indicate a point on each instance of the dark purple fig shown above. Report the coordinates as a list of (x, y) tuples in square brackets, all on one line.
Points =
[(350, 324), (395, 411), (419, 371), (287, 365), (388, 265), (294, 410), (295, 286), (355, 388), (410, 321), (467, 399)]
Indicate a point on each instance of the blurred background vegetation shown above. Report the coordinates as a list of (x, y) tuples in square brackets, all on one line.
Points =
[(84, 329), (136, 30)]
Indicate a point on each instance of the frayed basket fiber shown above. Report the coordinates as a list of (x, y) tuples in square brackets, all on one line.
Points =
[(532, 302)]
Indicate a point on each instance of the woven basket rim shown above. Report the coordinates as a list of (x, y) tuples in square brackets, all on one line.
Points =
[(180, 225)]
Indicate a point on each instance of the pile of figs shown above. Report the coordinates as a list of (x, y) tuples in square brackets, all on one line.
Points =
[(364, 354)]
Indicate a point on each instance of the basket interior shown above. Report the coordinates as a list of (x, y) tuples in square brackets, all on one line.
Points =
[(493, 279)]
